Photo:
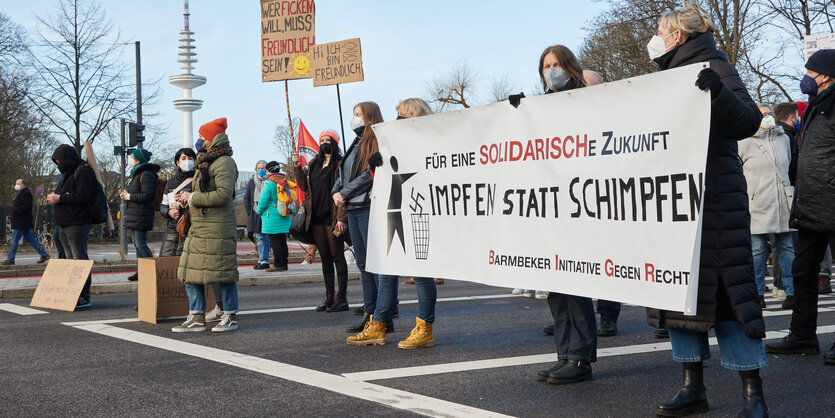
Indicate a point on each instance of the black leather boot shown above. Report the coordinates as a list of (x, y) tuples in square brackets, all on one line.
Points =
[(542, 375), (573, 372), (358, 327), (327, 301), (752, 393), (339, 304), (692, 396)]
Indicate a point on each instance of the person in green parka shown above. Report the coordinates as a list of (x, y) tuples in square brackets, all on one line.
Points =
[(209, 253), (276, 193)]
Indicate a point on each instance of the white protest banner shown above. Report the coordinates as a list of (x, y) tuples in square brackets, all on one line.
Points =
[(594, 192), (814, 43)]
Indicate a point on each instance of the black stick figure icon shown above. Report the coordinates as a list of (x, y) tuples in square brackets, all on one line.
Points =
[(395, 216)]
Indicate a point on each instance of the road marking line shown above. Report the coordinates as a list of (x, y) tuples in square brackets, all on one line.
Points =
[(20, 310), (394, 398), (532, 359)]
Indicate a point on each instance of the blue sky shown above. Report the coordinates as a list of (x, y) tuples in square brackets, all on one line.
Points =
[(405, 44)]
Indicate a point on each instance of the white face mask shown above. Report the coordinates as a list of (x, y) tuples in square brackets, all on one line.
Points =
[(656, 46), (131, 162), (555, 78), (186, 165), (357, 122), (768, 123), (17, 187)]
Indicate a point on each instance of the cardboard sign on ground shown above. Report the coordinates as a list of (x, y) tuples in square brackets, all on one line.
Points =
[(337, 62), (61, 284), (161, 294)]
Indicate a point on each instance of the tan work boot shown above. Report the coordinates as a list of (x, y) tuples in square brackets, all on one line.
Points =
[(374, 333), (421, 336)]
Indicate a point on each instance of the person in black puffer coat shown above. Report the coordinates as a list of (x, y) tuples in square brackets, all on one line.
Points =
[(728, 300), (814, 198), (172, 243), (139, 195)]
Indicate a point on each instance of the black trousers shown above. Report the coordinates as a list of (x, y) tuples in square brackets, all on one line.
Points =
[(575, 330), (331, 250), (808, 255), (280, 252), (608, 310)]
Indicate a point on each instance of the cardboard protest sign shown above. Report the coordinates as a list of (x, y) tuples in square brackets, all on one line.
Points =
[(287, 34), (61, 284), (337, 63), (160, 293), (580, 192), (814, 43)]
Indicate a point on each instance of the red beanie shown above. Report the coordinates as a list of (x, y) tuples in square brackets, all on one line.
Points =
[(211, 129), (801, 107)]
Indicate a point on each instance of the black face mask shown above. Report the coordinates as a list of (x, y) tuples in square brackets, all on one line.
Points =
[(400, 117), (64, 167), (359, 131), (325, 148)]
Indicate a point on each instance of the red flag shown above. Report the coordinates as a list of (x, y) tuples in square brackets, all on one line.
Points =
[(307, 146)]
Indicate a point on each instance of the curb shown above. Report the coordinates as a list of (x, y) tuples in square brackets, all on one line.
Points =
[(130, 287)]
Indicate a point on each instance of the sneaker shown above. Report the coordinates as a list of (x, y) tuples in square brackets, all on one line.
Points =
[(214, 315), (193, 323), (778, 294), (529, 293), (227, 323), (421, 336), (305, 262), (374, 333), (7, 263), (541, 294), (517, 292), (83, 303), (43, 259)]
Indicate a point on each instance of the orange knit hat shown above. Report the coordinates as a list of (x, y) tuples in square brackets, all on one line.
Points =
[(211, 129)]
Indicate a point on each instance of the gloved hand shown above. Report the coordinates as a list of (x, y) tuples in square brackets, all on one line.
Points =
[(709, 79), (375, 160), (515, 99)]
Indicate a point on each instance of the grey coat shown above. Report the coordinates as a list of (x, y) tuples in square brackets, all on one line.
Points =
[(767, 201)]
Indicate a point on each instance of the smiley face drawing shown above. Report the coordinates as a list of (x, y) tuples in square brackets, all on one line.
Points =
[(301, 65)]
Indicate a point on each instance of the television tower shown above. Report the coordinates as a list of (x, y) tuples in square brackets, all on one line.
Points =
[(187, 81)]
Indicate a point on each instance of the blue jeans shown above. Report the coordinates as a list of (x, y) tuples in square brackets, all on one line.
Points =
[(427, 293), (74, 240), (575, 327), (26, 234), (785, 249), (739, 352), (197, 298), (140, 242), (386, 297), (262, 242), (358, 226)]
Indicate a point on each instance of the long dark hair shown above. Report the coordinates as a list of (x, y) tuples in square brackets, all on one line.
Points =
[(568, 62), (368, 144)]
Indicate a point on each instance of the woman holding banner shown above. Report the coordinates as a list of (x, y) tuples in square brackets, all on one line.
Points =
[(375, 329), (325, 221), (351, 193), (727, 294), (575, 326)]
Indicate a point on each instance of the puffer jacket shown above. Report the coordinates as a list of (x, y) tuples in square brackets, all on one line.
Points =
[(814, 193), (354, 188), (139, 214), (726, 274), (271, 221), (209, 254), (767, 201), (76, 188)]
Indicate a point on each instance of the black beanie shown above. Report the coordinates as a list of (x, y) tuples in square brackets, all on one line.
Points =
[(823, 62), (273, 167)]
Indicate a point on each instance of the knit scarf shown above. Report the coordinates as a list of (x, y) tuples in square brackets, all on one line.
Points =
[(259, 184), (204, 159)]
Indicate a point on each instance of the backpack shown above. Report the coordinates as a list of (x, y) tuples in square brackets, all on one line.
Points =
[(288, 199), (159, 191), (98, 207)]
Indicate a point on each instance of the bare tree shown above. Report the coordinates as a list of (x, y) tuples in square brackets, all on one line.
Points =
[(282, 141), (501, 88), (11, 41), (453, 89), (82, 85)]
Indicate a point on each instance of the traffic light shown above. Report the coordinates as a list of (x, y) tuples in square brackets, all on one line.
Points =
[(136, 133)]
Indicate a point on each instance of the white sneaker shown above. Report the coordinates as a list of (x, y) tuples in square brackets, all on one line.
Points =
[(305, 262), (517, 292), (529, 293), (779, 294), (541, 294), (214, 315)]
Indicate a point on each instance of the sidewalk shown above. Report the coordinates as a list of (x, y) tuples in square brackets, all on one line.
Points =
[(113, 278)]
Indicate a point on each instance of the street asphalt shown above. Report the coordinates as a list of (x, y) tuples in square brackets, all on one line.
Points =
[(287, 360)]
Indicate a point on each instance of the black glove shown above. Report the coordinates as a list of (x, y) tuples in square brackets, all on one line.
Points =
[(515, 99), (709, 79), (375, 160)]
